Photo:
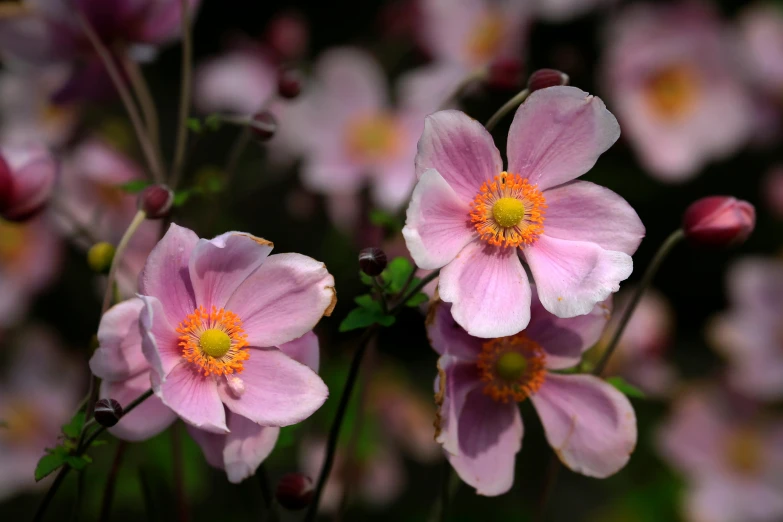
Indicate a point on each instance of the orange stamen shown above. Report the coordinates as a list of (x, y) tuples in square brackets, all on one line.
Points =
[(194, 326), (523, 233), (529, 381)]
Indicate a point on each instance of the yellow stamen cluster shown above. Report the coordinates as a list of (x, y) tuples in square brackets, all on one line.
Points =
[(508, 211), (214, 341), (373, 137), (672, 92), (513, 368), (484, 41)]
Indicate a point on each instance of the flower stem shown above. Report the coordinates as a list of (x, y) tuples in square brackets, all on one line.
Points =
[(649, 274), (445, 492), (506, 108), (111, 480), (552, 472), (266, 493), (138, 219), (184, 96), (146, 101)]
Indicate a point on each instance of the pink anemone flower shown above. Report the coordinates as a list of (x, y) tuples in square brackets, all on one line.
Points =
[(476, 221), (590, 425), (214, 311)]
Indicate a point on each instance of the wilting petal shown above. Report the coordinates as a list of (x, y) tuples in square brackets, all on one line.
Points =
[(558, 134), (455, 380), (573, 276), (488, 289), (589, 424), (449, 338), (119, 354), (304, 350), (278, 390), (247, 446), (147, 419), (165, 275), (218, 266), (159, 340), (193, 396), (460, 149), (438, 223), (583, 211), (490, 436), (283, 299)]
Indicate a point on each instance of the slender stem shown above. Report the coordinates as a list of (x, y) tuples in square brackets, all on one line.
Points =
[(138, 219), (146, 101), (379, 286), (416, 289), (649, 274), (550, 480), (184, 96), (77, 504), (506, 108), (111, 480), (232, 162), (153, 162), (179, 482), (131, 405)]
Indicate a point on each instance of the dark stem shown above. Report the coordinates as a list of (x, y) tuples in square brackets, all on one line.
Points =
[(149, 499), (77, 504), (179, 482), (381, 294), (550, 481), (506, 108), (416, 289), (184, 95), (111, 481), (266, 493), (445, 492), (146, 101), (232, 161)]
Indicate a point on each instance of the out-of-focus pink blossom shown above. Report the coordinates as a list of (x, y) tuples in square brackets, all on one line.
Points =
[(772, 190), (761, 28), (288, 35), (672, 78), (730, 455), (719, 221), (27, 177)]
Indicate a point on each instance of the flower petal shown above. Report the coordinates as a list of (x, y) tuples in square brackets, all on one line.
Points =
[(165, 274), (488, 289), (147, 419), (583, 211), (119, 354), (449, 338), (283, 299), (558, 134), (490, 436), (159, 340), (455, 380), (247, 446), (573, 276), (438, 222), (279, 391), (193, 396), (218, 266), (460, 149), (589, 424), (211, 444), (304, 350)]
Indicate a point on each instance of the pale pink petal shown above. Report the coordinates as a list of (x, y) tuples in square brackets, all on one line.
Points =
[(165, 275), (332, 173), (193, 396), (147, 419), (392, 184), (490, 436), (583, 211), (278, 391), (455, 380), (756, 283), (449, 338), (283, 299), (438, 224), (590, 425), (162, 20), (247, 446), (352, 80), (159, 340), (218, 266), (240, 82), (304, 350), (119, 354), (558, 134), (726, 498), (488, 289), (461, 150), (573, 276), (211, 444)]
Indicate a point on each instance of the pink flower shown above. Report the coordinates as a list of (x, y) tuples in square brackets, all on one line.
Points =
[(214, 311), (590, 425), (27, 176), (119, 361), (475, 221), (677, 93), (748, 334), (731, 456), (761, 29), (718, 221)]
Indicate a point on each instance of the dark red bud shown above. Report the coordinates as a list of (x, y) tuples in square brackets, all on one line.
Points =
[(543, 78), (505, 73), (287, 35), (156, 201), (719, 222), (289, 82), (108, 412), (372, 261), (6, 184), (263, 125), (294, 491)]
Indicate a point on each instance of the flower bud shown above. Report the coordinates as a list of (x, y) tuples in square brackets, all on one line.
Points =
[(505, 73), (543, 78), (263, 125), (294, 491), (108, 412), (156, 201), (289, 82), (287, 35), (27, 176), (100, 257), (372, 261), (719, 221)]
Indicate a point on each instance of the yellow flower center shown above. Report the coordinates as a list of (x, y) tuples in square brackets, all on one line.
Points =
[(672, 92), (12, 241), (508, 211), (513, 368), (743, 451), (484, 40), (214, 341), (373, 137)]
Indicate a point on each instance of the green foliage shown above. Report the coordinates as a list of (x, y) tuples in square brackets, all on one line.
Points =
[(626, 388), (135, 186), (64, 453), (368, 313), (384, 219)]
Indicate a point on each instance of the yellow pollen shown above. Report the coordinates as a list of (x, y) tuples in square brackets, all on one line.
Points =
[(513, 368), (672, 92), (486, 37), (743, 451), (508, 211), (373, 137), (214, 341)]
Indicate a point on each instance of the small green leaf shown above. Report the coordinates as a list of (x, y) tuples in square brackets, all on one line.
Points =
[(386, 220), (51, 462), (195, 125), (213, 122), (134, 187), (181, 197), (624, 387), (417, 300), (99, 442), (78, 463), (368, 313), (367, 280), (73, 429), (397, 273)]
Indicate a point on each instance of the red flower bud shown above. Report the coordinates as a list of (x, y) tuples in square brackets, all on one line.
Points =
[(263, 125), (543, 78), (294, 491), (108, 412), (372, 261), (289, 82), (505, 73), (156, 201), (719, 221), (27, 176)]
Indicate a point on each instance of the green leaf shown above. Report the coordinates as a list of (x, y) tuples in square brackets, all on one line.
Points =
[(134, 187), (99, 442), (195, 125), (386, 220), (368, 313), (397, 273), (417, 300), (213, 122), (73, 429), (181, 197), (367, 280), (624, 387), (51, 462), (78, 463)]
